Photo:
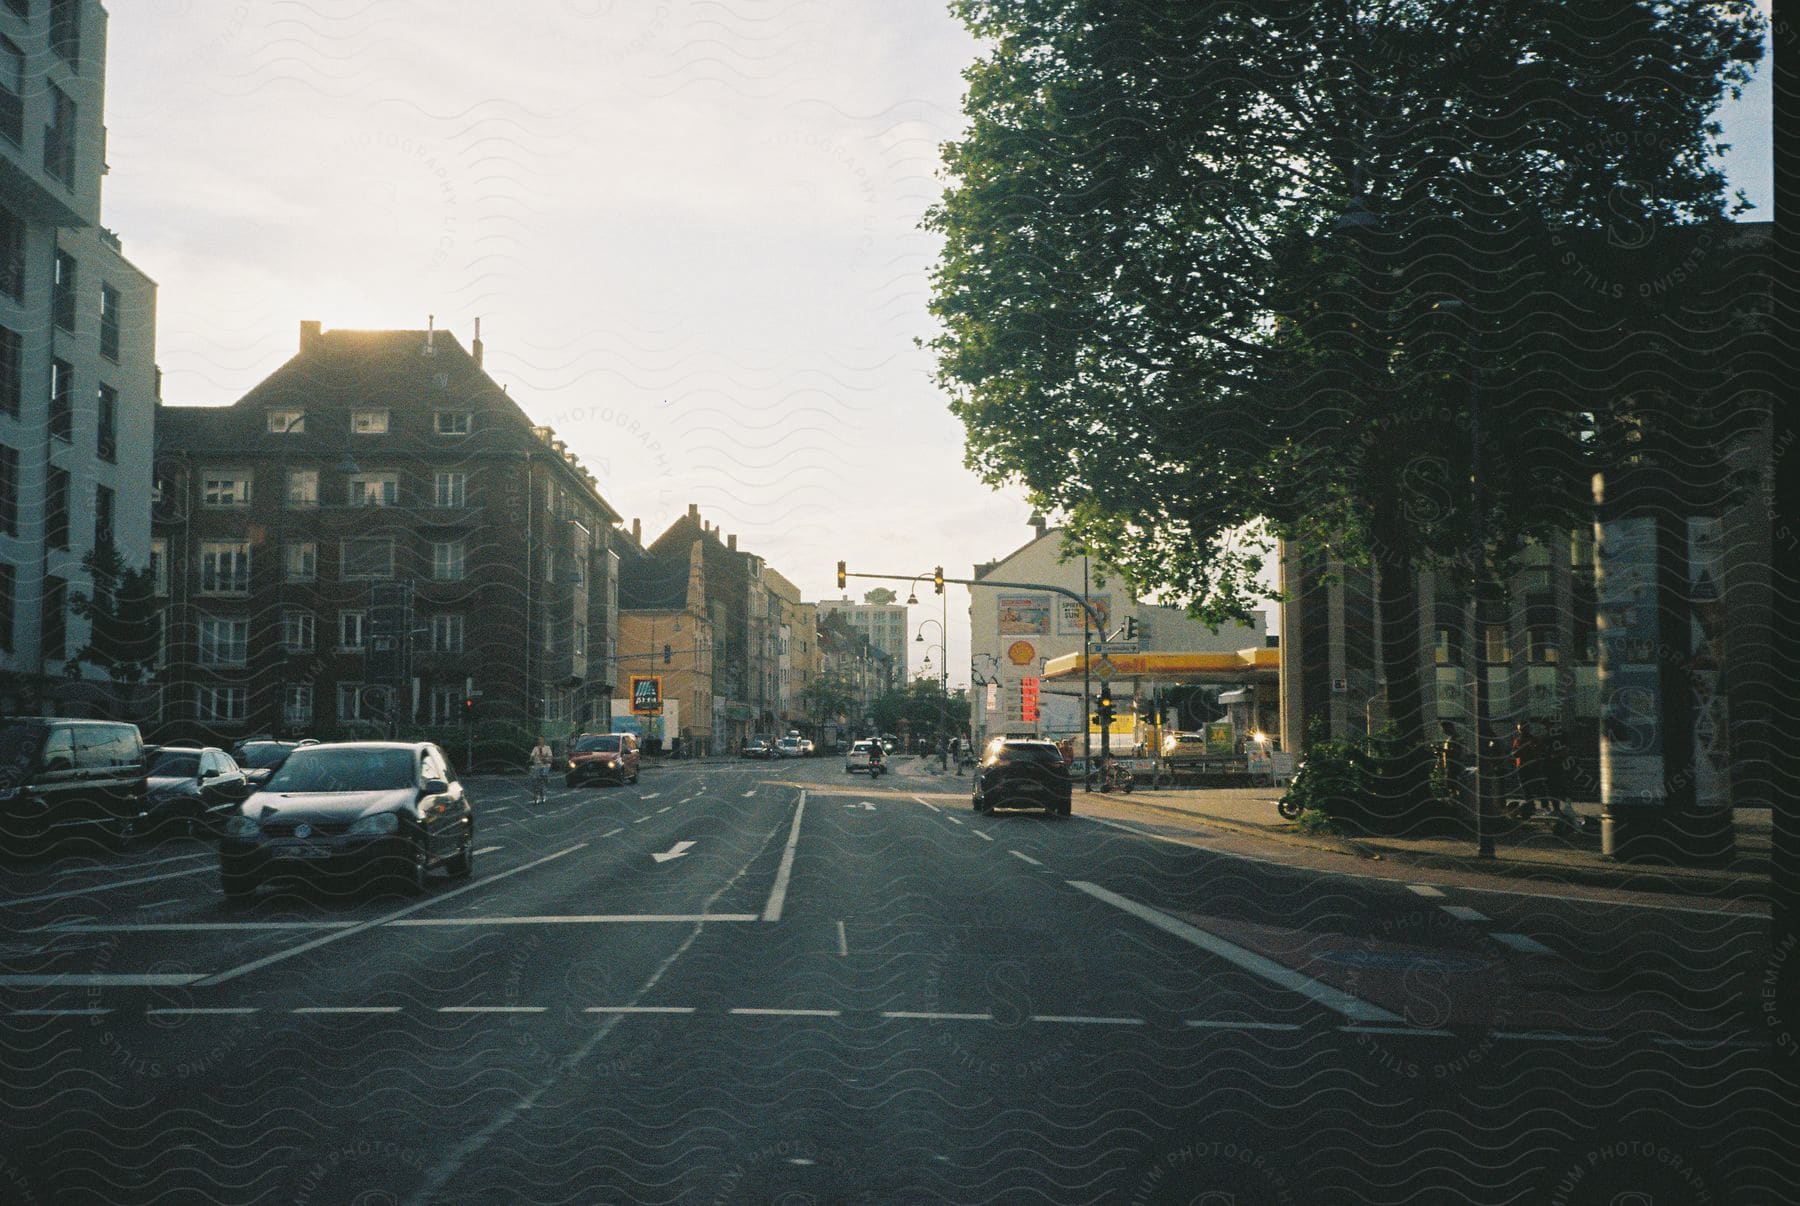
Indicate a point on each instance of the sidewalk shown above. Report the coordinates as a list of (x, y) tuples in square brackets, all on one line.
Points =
[(1523, 849)]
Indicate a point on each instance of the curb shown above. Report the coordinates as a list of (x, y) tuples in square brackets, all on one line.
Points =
[(1338, 846)]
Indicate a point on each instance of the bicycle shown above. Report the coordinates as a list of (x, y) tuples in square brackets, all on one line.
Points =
[(540, 784), (1118, 776)]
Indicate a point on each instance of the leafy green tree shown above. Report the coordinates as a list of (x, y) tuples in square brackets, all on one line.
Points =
[(124, 618), (1216, 271), (828, 697)]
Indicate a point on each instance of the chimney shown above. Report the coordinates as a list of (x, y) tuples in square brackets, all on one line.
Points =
[(430, 332), (475, 345), (731, 542), (637, 530), (1037, 524), (311, 331), (693, 510)]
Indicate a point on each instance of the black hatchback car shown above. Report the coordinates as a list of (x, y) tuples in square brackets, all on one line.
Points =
[(1017, 773), (191, 789)]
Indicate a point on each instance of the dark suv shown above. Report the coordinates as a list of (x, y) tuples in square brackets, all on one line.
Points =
[(68, 779), (596, 756), (1023, 774)]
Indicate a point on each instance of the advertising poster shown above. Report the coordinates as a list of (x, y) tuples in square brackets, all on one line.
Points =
[(1069, 615), (1024, 615), (646, 693), (1706, 637), (1631, 738)]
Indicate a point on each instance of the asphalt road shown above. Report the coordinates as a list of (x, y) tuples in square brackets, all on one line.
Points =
[(767, 982)]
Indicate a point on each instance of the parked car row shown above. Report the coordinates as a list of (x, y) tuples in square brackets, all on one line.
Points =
[(791, 746)]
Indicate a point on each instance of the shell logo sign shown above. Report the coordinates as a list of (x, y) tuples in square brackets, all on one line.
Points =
[(1021, 653)]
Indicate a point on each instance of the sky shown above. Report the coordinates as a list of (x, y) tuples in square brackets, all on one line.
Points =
[(690, 229)]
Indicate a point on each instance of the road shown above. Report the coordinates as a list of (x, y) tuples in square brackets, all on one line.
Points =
[(767, 982)]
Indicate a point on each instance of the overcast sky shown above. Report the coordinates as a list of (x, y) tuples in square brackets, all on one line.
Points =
[(690, 228)]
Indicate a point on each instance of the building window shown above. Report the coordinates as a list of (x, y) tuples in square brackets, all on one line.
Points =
[(223, 641), (220, 704), (59, 137), (374, 489), (62, 291), (9, 585), (443, 705), (53, 625), (580, 640), (1495, 649), (297, 704), (159, 566), (350, 629), (109, 321), (369, 422), (225, 488), (12, 93), (303, 488), (225, 567), (349, 701), (452, 490), (9, 491), (65, 31), (56, 508), (62, 400), (302, 560), (368, 558), (448, 560), (103, 518), (12, 372), (452, 422), (446, 634), (287, 422), (298, 631), (106, 423)]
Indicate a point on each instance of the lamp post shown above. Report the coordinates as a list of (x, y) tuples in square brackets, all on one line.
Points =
[(943, 687)]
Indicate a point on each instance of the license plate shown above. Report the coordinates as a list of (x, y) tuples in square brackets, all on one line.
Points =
[(300, 850)]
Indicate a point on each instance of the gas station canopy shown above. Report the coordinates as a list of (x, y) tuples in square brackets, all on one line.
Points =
[(1261, 667)]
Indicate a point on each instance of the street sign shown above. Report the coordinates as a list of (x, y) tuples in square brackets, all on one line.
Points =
[(1104, 669), (646, 694)]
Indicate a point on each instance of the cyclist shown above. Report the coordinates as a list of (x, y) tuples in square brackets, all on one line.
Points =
[(540, 770)]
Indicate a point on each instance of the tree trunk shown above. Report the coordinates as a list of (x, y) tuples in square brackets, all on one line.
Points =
[(1404, 779)]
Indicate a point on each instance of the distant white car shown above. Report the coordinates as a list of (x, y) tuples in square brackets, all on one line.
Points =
[(858, 757), (789, 747), (806, 746)]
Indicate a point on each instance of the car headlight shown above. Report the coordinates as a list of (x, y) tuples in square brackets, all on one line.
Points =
[(241, 826), (380, 822)]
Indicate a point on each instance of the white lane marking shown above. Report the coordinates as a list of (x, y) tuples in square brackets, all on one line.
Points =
[(640, 820), (663, 809), (446, 1169), (157, 904), (108, 886), (843, 941), (1707, 1044), (1202, 1024), (953, 820), (1464, 912), (1522, 942), (688, 799), (347, 1009), (749, 793), (778, 896), (491, 1008), (1549, 1036), (245, 969), (910, 1015), (1423, 890), (179, 858), (611, 832), (1728, 914), (678, 850), (489, 849), (574, 919), (98, 980), (187, 927), (200, 1011), (1025, 858), (496, 808), (651, 795), (57, 1013), (928, 804), (1078, 1020), (639, 1009), (789, 1013), (1334, 999), (983, 836), (1416, 1030)]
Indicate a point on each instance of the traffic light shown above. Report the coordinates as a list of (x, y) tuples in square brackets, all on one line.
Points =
[(667, 653), (1105, 714), (937, 579), (842, 577), (468, 708)]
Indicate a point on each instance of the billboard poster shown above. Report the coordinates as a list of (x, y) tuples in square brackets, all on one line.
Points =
[(646, 693), (1706, 647), (1069, 615), (1024, 615), (1631, 737)]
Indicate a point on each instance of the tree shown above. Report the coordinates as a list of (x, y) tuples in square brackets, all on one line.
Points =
[(1219, 272), (124, 619), (828, 697)]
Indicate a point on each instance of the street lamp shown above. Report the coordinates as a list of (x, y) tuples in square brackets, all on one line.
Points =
[(943, 684)]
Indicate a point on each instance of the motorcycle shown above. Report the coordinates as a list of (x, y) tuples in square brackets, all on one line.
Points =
[(877, 768)]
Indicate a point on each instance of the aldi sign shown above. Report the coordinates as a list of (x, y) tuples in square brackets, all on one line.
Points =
[(646, 694)]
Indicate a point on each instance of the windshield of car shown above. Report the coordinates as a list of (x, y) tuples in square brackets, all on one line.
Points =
[(862, 747), (327, 769), (264, 754), (597, 745), (176, 764)]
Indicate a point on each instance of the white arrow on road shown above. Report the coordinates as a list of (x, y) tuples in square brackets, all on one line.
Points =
[(675, 851), (864, 805)]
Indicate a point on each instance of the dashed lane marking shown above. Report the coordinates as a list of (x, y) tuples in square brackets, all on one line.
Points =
[(1464, 912), (1078, 1020), (749, 793), (778, 894), (639, 1009), (1549, 1036), (909, 1015), (789, 1013), (99, 980), (491, 1008), (58, 1013), (489, 849), (1424, 890), (1203, 1024), (179, 858), (198, 1011), (650, 795), (188, 927), (576, 919), (928, 804), (158, 904), (843, 941), (1522, 942), (1409, 1030), (663, 809), (1024, 858), (612, 832), (108, 886), (347, 1009), (953, 820), (1334, 999), (986, 837), (640, 820)]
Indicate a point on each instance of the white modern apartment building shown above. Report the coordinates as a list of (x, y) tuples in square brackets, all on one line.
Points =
[(78, 378), (882, 621)]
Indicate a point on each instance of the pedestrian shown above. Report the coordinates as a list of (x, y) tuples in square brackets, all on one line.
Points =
[(541, 758), (1528, 766)]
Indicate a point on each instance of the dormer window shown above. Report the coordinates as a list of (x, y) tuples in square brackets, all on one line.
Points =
[(453, 422)]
